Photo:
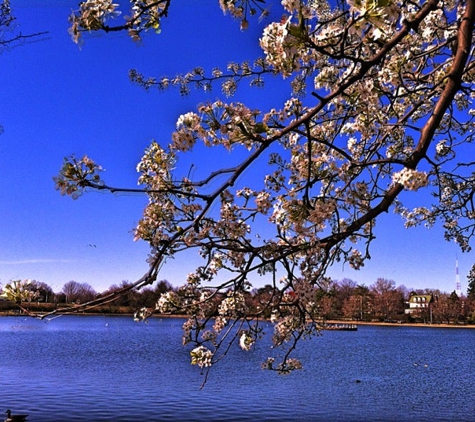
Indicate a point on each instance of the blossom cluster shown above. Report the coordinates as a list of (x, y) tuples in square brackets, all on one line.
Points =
[(411, 179), (94, 15), (167, 302), (218, 124), (76, 175), (285, 328), (201, 356), (19, 291), (280, 47), (233, 305), (246, 341)]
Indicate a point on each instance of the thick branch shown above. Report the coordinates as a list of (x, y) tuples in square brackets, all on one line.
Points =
[(453, 84)]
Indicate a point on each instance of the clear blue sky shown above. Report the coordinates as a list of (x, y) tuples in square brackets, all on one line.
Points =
[(58, 100)]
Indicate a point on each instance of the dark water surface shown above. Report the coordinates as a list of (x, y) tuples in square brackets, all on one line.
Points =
[(112, 369)]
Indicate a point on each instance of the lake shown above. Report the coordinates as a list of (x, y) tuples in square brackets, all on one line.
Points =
[(96, 368)]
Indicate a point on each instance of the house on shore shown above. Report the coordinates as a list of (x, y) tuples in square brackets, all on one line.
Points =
[(418, 304)]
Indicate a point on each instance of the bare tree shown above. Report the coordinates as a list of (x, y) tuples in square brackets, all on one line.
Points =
[(78, 292)]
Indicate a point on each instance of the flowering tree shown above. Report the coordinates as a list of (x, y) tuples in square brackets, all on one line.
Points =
[(381, 104), (19, 291)]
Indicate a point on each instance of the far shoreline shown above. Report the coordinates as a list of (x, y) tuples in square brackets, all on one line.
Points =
[(401, 324), (331, 321)]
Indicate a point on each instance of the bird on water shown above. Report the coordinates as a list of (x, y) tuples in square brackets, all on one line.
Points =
[(14, 418)]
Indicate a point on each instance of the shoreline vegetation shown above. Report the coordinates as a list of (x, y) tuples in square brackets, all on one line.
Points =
[(344, 301), (10, 309)]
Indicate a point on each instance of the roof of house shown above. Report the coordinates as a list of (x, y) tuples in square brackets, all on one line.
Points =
[(420, 298)]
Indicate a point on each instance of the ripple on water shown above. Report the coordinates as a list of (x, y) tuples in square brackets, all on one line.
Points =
[(111, 369)]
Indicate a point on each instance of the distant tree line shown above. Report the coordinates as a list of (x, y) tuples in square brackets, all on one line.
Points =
[(337, 300), (42, 295)]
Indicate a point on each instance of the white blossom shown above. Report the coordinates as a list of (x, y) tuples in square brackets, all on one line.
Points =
[(246, 341), (410, 179), (201, 356)]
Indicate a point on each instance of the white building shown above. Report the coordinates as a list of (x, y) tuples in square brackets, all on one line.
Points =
[(419, 303)]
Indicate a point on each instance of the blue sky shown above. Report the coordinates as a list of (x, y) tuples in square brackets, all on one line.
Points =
[(59, 100)]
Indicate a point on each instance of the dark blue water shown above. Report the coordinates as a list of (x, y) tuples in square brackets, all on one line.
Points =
[(112, 369)]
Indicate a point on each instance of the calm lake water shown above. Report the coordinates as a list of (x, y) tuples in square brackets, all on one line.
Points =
[(112, 369)]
